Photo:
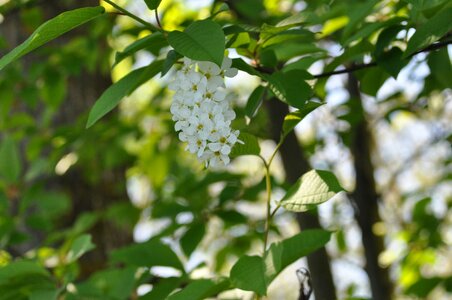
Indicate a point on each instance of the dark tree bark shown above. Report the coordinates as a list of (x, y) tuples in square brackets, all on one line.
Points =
[(83, 90), (295, 164), (366, 198)]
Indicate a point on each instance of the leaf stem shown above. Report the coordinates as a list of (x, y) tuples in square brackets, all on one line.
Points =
[(157, 18), (136, 18), (268, 185)]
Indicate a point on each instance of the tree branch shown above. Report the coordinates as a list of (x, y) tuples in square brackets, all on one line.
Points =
[(357, 67)]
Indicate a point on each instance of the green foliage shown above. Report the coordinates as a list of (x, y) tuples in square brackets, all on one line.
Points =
[(201, 40), (51, 30), (430, 32), (10, 163), (250, 145), (63, 187), (124, 87), (148, 42), (255, 273), (313, 188), (150, 253), (152, 4), (293, 118)]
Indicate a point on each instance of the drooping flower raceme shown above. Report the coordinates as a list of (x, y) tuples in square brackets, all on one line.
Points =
[(202, 110)]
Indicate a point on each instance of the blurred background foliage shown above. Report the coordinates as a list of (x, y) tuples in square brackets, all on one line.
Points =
[(80, 208)]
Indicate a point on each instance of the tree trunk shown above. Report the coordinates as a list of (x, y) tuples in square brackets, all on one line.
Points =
[(366, 199), (295, 164)]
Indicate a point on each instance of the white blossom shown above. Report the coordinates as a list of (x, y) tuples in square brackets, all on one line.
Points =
[(202, 110)]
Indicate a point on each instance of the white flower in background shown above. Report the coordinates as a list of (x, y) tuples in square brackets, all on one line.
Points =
[(202, 112)]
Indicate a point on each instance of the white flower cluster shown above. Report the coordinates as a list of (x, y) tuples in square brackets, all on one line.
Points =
[(202, 110)]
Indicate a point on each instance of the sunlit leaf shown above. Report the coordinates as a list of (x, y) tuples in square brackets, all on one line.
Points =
[(79, 246), (313, 188), (293, 118)]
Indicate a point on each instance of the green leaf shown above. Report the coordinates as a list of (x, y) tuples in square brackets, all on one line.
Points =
[(45, 294), (243, 66), (171, 58), (201, 289), (255, 101), (282, 254), (162, 289), (250, 145), (20, 268), (148, 254), (248, 274), (111, 284), (152, 4), (440, 67), (80, 246), (254, 273), (153, 39), (290, 87), (392, 62), (120, 89), (372, 81), (201, 40), (51, 30), (10, 164), (293, 118), (314, 187), (430, 32), (192, 238), (25, 280)]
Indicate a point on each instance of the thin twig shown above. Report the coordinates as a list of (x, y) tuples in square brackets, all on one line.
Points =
[(157, 18), (136, 18), (357, 67)]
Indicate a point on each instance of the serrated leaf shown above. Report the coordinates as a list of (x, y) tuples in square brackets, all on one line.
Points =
[(255, 101), (80, 246), (10, 164), (201, 289), (293, 118), (202, 40), (313, 188), (120, 89), (430, 32), (51, 30), (290, 87), (147, 41), (254, 273), (250, 145), (148, 254), (152, 4)]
